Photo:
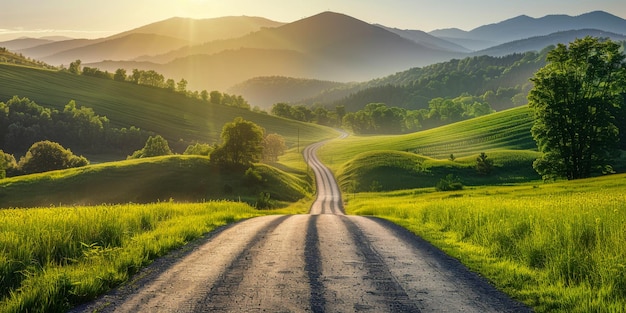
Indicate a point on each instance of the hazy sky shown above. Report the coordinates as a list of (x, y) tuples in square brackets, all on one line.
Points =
[(99, 18)]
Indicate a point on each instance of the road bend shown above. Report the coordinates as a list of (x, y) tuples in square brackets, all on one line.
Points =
[(324, 261)]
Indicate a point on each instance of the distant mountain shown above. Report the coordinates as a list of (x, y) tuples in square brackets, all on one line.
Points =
[(427, 40), (41, 51), (266, 91), (120, 48), (149, 40), (204, 30), (541, 42), (23, 43), (522, 27), (326, 46)]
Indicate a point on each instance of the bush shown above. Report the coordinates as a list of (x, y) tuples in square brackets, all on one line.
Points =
[(46, 156), (449, 183), (199, 149), (263, 201), (155, 146)]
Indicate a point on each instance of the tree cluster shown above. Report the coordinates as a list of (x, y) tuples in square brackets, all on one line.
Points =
[(24, 122), (318, 115), (378, 118), (41, 157), (154, 79), (501, 81)]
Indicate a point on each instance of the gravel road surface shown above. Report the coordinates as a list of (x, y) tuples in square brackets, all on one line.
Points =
[(324, 261)]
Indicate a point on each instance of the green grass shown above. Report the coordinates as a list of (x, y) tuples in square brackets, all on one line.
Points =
[(557, 247), (506, 130), (54, 258), (395, 170), (172, 115), (182, 178)]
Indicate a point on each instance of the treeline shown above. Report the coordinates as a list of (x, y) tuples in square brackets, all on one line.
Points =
[(379, 118), (9, 57), (154, 79), (24, 122), (502, 81)]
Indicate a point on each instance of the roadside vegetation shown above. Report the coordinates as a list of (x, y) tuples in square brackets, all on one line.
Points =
[(519, 209), (54, 258), (557, 247)]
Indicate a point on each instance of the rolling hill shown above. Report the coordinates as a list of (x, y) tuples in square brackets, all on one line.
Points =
[(181, 178), (179, 119)]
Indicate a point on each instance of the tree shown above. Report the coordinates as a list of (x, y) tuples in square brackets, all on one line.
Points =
[(242, 143), (216, 97), (484, 166), (574, 101), (273, 147), (46, 156), (120, 75), (181, 86), (155, 146), (75, 67), (204, 95), (8, 166)]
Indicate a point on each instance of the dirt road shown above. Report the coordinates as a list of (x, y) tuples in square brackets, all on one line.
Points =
[(321, 262)]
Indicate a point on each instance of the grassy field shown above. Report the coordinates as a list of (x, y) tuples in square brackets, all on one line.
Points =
[(506, 130), (181, 178), (557, 247), (172, 115), (53, 258), (395, 170)]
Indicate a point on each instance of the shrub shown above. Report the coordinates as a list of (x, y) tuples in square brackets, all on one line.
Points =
[(155, 146), (449, 183)]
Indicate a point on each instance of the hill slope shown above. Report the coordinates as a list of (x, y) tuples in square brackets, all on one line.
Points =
[(179, 119), (181, 178)]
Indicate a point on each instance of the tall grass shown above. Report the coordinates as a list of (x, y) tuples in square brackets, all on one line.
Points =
[(556, 247), (53, 258)]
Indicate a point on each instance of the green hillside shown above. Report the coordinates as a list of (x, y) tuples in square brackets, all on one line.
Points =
[(376, 163), (8, 57), (508, 130), (179, 119), (181, 178)]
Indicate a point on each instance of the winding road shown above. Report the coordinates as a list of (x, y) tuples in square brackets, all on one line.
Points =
[(324, 261)]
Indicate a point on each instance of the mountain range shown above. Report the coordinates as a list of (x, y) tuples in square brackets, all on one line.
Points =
[(215, 54)]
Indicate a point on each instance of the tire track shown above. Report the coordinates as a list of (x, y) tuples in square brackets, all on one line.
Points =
[(313, 266)]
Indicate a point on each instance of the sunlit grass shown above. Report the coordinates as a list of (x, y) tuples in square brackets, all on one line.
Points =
[(52, 258), (178, 177), (557, 247), (506, 130)]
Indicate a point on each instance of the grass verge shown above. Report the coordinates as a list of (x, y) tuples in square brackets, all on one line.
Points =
[(556, 247), (54, 258)]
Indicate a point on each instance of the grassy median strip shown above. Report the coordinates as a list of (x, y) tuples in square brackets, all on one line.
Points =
[(53, 258), (557, 247)]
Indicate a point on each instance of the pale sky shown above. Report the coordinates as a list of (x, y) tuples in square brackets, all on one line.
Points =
[(100, 18)]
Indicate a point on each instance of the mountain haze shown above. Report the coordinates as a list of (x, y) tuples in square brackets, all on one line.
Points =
[(523, 26), (326, 46)]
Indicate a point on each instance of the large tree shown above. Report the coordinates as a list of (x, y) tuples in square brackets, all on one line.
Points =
[(575, 99), (242, 143)]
